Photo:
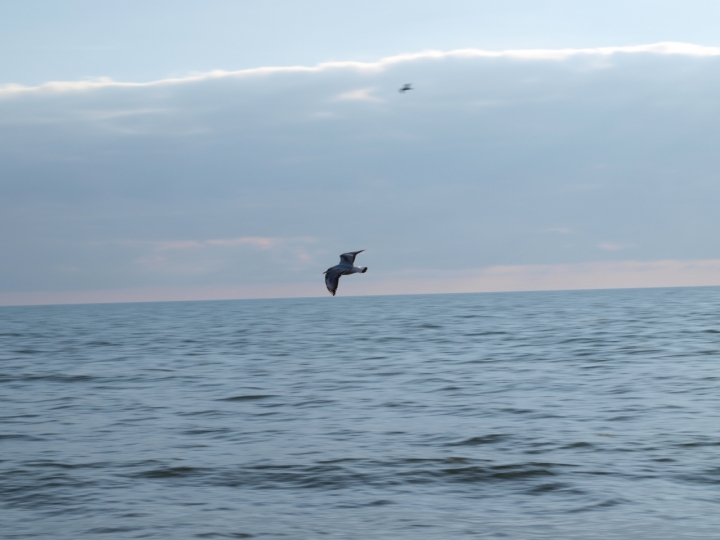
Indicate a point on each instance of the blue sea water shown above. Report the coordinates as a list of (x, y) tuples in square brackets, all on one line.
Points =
[(546, 415)]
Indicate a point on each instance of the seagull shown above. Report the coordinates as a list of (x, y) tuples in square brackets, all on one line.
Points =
[(346, 267), (405, 88)]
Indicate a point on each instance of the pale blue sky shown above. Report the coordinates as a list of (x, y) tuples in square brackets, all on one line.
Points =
[(251, 184), (44, 40)]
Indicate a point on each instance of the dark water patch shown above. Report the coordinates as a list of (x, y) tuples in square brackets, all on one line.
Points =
[(578, 445), (481, 440), (478, 474), (54, 377), (61, 465), (549, 487), (19, 418), (24, 489), (352, 474), (223, 535), (204, 412), (582, 340), (18, 437), (218, 431), (171, 473), (314, 403), (110, 530), (381, 502), (709, 476), (249, 397), (393, 404), (599, 506), (389, 339), (516, 411)]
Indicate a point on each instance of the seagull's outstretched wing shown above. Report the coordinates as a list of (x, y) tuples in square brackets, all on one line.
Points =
[(349, 257), (332, 279)]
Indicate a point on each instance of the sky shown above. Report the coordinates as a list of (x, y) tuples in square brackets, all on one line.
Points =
[(209, 150)]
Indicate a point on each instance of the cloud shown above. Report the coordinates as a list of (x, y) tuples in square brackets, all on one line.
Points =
[(257, 241), (363, 94), (610, 246), (113, 114), (663, 48), (182, 244), (280, 177)]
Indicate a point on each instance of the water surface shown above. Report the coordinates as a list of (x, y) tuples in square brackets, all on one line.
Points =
[(555, 415)]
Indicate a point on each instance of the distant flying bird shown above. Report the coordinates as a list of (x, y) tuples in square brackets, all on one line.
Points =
[(346, 267), (405, 88)]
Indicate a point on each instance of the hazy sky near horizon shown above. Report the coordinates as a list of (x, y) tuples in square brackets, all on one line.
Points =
[(145, 168)]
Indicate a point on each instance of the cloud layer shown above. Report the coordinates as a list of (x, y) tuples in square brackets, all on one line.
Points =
[(259, 178)]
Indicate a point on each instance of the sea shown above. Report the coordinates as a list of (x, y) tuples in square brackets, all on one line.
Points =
[(536, 415)]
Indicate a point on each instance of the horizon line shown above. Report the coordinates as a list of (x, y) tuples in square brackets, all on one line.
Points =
[(370, 295)]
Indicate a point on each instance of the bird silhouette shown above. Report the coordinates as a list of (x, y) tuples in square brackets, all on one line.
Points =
[(346, 267), (405, 88)]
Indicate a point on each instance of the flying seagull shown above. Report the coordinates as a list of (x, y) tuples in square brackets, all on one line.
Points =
[(346, 267), (405, 88)]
